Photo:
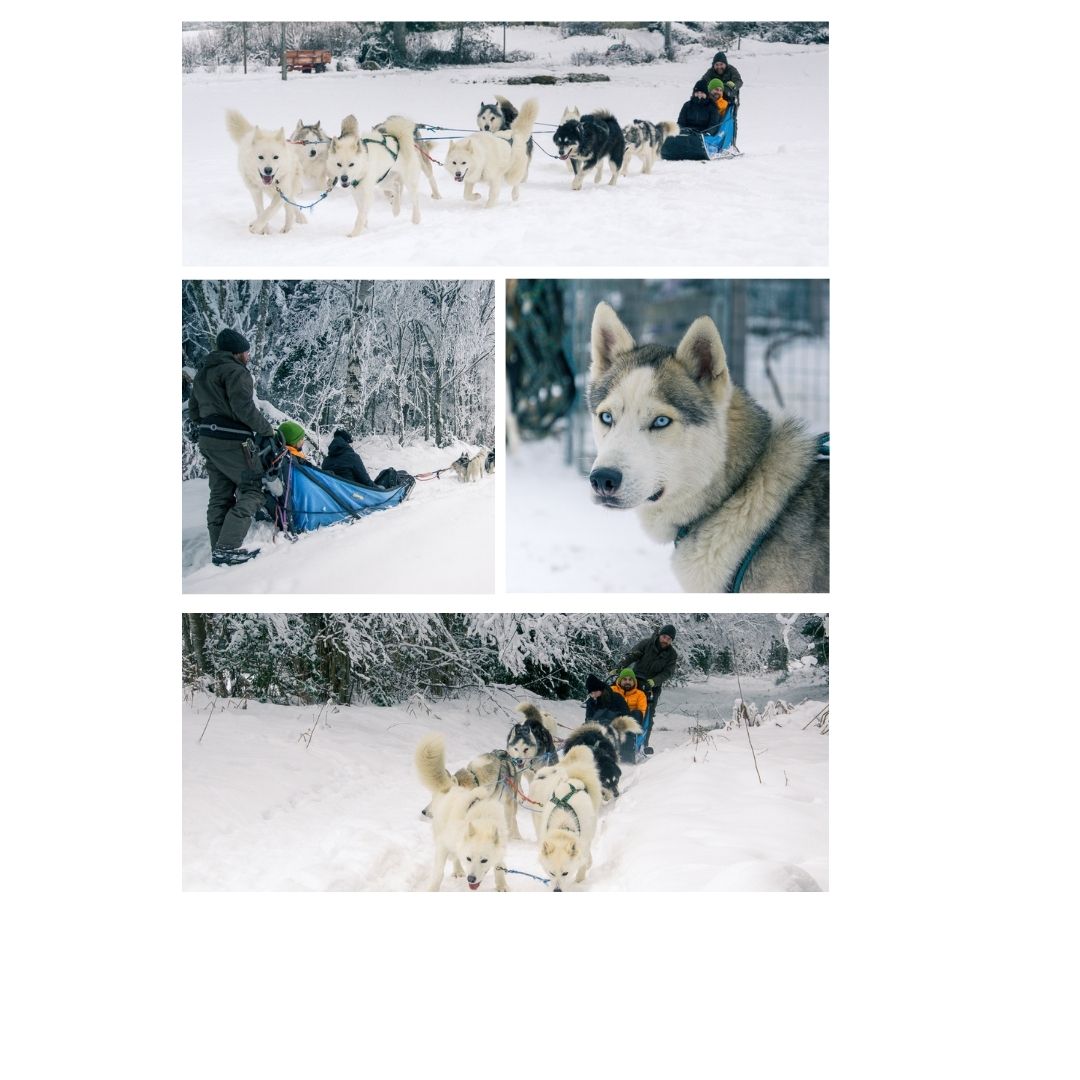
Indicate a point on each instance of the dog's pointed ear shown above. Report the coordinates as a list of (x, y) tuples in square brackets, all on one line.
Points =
[(470, 832), (547, 848), (572, 849), (257, 132), (701, 352), (609, 339), (299, 123), (280, 134), (317, 124)]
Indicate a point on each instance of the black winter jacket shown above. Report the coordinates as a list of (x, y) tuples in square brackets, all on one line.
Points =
[(731, 74), (649, 661), (608, 703), (222, 393), (342, 460), (699, 114)]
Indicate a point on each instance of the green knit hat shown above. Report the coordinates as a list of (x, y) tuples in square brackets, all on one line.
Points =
[(627, 673), (291, 432), (716, 84)]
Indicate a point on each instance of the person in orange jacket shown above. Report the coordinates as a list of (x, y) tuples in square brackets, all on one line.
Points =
[(627, 688)]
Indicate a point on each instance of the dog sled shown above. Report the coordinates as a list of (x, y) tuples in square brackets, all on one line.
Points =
[(715, 143), (305, 498)]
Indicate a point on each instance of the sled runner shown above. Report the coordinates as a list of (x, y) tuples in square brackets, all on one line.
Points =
[(311, 498)]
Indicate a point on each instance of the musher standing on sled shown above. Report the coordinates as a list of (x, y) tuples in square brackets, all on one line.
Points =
[(653, 660), (228, 425)]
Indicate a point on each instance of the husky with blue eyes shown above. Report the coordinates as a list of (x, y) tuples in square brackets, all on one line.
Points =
[(744, 499)]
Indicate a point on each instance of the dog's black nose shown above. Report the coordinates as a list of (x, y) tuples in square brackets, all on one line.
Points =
[(471, 879), (312, 153), (268, 169), (557, 889), (605, 481), (344, 178)]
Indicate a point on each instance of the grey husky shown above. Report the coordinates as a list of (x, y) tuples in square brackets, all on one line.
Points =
[(743, 498)]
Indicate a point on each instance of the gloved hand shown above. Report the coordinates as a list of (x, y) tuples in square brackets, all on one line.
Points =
[(649, 683), (730, 85)]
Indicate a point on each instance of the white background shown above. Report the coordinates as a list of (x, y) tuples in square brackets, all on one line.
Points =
[(943, 948)]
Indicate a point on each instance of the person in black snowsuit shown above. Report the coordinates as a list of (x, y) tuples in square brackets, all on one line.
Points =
[(603, 704), (342, 460), (699, 113), (231, 432)]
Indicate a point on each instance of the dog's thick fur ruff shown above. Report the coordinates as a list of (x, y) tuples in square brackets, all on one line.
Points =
[(493, 158), (532, 741), (590, 141), (645, 140), (704, 463), (468, 825), (269, 165), (385, 157)]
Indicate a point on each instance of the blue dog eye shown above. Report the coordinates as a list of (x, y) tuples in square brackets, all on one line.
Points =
[(606, 419), (660, 422)]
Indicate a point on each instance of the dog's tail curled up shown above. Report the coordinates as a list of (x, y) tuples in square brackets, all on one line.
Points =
[(237, 126), (431, 764), (623, 724), (667, 129), (401, 127), (546, 720)]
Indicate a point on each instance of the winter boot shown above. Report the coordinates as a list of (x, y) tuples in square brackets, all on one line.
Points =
[(232, 556), (628, 751)]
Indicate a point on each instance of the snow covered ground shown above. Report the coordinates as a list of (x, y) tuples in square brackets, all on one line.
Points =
[(266, 810), (769, 207), (440, 540)]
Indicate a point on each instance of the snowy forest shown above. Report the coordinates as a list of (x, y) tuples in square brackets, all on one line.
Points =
[(385, 659), (380, 45), (407, 361)]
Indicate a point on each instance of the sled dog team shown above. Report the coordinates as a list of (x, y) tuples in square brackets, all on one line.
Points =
[(473, 811), (392, 155), (471, 469)]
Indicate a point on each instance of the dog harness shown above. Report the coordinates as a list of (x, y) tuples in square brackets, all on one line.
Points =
[(735, 584), (563, 803), (386, 146)]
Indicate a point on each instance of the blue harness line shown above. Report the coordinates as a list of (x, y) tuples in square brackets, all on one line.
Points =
[(735, 584), (507, 870)]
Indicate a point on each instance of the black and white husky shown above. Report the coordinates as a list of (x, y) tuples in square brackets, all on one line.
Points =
[(500, 116), (589, 142), (645, 139), (604, 741), (743, 498), (531, 742)]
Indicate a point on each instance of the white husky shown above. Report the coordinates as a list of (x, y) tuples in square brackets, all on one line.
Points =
[(269, 165), (385, 157), (468, 825), (570, 796), (494, 159)]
